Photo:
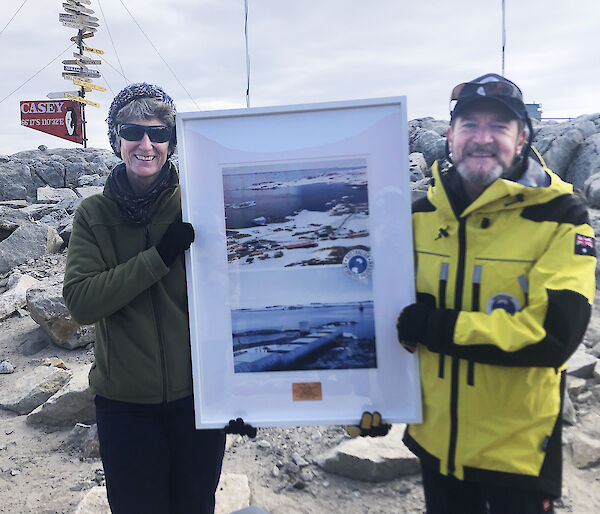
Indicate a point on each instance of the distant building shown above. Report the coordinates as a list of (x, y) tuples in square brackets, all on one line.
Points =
[(534, 111)]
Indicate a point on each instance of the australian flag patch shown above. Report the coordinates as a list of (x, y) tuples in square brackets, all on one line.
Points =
[(585, 245)]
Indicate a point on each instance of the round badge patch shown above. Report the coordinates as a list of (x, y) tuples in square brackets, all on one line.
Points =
[(358, 263), (503, 301)]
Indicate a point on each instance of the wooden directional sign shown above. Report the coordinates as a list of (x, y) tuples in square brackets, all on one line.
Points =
[(82, 100), (83, 62), (90, 85), (85, 59), (61, 94), (79, 2), (93, 50), (88, 21), (80, 26), (75, 39), (77, 8), (90, 74), (75, 69)]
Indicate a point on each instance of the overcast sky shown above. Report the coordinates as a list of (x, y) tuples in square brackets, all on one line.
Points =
[(302, 51)]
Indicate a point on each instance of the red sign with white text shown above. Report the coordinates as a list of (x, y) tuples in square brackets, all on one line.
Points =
[(60, 118)]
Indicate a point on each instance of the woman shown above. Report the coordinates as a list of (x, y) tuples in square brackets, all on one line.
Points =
[(125, 272)]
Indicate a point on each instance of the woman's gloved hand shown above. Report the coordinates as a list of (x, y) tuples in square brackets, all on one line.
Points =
[(177, 239)]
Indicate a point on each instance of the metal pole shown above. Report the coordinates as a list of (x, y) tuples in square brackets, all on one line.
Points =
[(247, 56), (503, 33), (82, 91)]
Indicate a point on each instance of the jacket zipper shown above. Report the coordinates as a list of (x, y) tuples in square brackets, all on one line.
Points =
[(158, 329), (458, 293), (474, 308), (442, 305)]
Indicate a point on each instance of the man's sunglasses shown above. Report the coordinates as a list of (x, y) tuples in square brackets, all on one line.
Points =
[(134, 132), (504, 89)]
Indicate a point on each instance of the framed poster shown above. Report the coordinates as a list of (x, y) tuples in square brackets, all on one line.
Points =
[(301, 264)]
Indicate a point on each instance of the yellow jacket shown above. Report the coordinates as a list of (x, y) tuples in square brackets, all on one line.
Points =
[(512, 278)]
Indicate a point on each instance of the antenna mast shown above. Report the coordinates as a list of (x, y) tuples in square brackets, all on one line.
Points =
[(503, 32), (247, 56)]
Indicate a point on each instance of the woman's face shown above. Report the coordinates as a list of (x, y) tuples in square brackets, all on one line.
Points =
[(143, 159)]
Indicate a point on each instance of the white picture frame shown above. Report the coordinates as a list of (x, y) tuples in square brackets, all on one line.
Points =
[(301, 263)]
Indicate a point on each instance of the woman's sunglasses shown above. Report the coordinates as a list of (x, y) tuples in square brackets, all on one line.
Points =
[(134, 132)]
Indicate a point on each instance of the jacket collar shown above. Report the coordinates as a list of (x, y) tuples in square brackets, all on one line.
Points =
[(537, 185)]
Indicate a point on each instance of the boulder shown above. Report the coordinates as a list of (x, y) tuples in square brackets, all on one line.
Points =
[(49, 172), (86, 191), (73, 403), (591, 190), (581, 364), (417, 167), (585, 450), (558, 147), (431, 144), (14, 297), (32, 389), (596, 372), (49, 194), (15, 178), (371, 459), (569, 415), (29, 241), (95, 501), (47, 308), (233, 493), (84, 439), (586, 162)]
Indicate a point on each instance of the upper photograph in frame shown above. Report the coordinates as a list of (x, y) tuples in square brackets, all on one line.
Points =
[(302, 261)]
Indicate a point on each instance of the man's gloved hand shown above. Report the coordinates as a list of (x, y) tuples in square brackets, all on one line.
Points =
[(237, 426), (412, 325), (177, 239), (370, 425)]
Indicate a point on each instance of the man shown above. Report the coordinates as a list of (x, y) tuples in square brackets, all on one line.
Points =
[(505, 264)]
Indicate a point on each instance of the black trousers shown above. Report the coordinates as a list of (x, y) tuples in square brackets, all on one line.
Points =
[(154, 459), (447, 495)]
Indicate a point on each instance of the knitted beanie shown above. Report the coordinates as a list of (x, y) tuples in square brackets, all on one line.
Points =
[(126, 95)]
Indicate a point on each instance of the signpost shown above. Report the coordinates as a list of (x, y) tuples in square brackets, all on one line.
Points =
[(78, 16), (63, 115)]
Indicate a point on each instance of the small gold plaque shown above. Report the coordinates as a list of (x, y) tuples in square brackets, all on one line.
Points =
[(307, 391)]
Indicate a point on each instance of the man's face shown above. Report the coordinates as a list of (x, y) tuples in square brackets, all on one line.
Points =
[(484, 141)]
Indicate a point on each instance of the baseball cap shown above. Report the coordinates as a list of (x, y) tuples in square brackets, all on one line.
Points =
[(490, 87)]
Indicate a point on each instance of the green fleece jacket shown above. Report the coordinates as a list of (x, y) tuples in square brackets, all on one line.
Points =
[(116, 279)]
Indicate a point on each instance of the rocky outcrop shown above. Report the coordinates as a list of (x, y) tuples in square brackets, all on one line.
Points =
[(13, 297), (47, 308), (29, 241), (32, 389), (371, 460), (71, 404), (59, 168)]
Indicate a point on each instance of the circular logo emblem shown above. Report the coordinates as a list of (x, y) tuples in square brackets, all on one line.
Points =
[(503, 301), (358, 263)]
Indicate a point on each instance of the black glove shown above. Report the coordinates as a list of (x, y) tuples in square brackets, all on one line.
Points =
[(177, 239), (412, 325), (238, 426), (370, 425)]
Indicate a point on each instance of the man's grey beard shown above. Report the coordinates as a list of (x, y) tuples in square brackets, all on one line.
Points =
[(481, 179)]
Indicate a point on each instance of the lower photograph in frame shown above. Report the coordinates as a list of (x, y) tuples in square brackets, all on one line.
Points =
[(301, 264)]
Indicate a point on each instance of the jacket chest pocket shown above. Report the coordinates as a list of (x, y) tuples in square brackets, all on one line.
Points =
[(500, 284)]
